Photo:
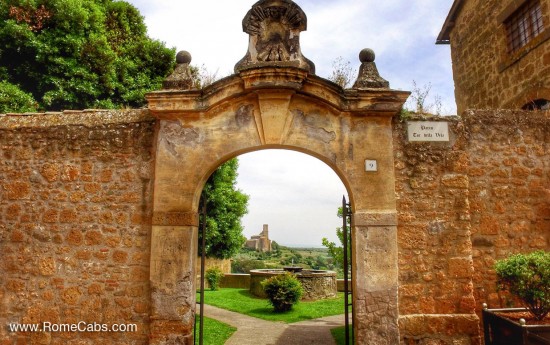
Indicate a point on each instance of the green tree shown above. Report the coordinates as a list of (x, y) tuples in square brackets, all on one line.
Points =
[(225, 206), (13, 99), (337, 251), (77, 54), (245, 265), (276, 249)]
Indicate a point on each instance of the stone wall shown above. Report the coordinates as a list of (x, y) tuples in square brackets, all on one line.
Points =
[(236, 281), (242, 281), (222, 264), (485, 74), (509, 173), (436, 301), (75, 215), (461, 205)]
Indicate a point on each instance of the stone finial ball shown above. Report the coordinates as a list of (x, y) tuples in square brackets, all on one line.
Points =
[(183, 57), (366, 55)]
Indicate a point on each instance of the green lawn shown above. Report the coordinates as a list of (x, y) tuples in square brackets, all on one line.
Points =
[(339, 335), (215, 332), (241, 301)]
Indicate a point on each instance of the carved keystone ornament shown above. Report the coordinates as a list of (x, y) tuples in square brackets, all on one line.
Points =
[(274, 27)]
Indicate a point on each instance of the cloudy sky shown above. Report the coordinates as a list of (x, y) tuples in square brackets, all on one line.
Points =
[(295, 194)]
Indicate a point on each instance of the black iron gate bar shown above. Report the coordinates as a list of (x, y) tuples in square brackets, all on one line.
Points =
[(203, 261), (348, 275)]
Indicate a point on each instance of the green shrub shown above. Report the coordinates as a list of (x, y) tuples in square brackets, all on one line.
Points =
[(283, 291), (527, 276), (214, 276)]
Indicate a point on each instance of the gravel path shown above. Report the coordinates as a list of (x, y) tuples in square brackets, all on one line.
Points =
[(254, 331)]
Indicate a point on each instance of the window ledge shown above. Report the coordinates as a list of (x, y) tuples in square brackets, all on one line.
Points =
[(517, 55)]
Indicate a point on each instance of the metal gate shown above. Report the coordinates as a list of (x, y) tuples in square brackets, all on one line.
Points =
[(200, 317), (348, 269)]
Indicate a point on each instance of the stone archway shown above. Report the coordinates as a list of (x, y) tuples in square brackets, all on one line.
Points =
[(274, 101)]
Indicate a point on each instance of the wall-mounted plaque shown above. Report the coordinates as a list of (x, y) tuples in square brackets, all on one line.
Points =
[(428, 131)]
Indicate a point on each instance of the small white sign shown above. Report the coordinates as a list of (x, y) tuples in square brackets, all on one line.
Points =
[(371, 165), (428, 131)]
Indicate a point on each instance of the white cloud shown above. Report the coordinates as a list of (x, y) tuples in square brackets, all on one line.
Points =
[(401, 32), (296, 194)]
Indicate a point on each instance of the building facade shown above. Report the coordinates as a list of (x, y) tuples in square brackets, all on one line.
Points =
[(261, 242), (500, 52)]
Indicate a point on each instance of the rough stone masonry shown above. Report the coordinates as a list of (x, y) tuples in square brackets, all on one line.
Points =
[(76, 213)]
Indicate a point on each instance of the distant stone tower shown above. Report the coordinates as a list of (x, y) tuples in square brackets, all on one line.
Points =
[(261, 242)]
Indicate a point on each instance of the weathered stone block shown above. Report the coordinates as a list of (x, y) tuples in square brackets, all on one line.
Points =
[(120, 256), (47, 266), (70, 173), (50, 171), (13, 212), (520, 172), (411, 290), (71, 295), (93, 237), (95, 289), (489, 225), (112, 241), (17, 236), (68, 216), (106, 175), (92, 187), (17, 190), (455, 181), (460, 267), (412, 237)]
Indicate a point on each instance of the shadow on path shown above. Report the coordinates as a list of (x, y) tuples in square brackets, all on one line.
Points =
[(254, 331)]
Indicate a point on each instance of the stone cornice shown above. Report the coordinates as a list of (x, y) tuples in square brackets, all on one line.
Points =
[(88, 118), (167, 104)]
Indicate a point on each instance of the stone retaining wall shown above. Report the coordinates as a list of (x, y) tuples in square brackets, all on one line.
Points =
[(236, 281), (242, 281)]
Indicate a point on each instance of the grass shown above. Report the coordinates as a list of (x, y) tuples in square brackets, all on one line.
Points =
[(215, 332), (339, 335), (241, 301)]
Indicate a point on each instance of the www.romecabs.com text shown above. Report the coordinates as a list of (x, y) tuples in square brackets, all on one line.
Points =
[(71, 327)]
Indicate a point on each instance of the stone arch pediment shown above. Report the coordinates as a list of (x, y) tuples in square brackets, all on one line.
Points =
[(272, 107), (268, 107)]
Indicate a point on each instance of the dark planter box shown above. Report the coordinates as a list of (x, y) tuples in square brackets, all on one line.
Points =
[(499, 330)]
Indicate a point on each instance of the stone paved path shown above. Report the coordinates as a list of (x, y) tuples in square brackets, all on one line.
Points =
[(253, 331)]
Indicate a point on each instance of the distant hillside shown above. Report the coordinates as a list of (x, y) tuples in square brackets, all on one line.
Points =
[(308, 258)]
